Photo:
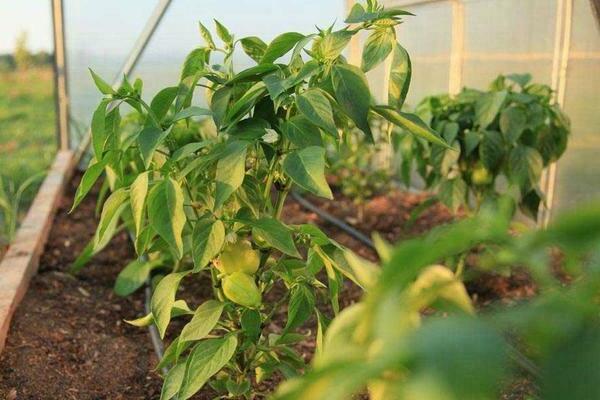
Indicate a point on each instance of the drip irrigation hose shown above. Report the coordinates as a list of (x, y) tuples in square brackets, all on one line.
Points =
[(157, 343), (325, 216), (519, 358)]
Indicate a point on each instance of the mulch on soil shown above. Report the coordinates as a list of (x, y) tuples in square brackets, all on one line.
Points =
[(68, 339)]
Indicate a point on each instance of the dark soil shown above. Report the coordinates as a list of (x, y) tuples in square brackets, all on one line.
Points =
[(68, 339)]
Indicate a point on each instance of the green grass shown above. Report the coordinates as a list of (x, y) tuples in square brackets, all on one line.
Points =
[(27, 125)]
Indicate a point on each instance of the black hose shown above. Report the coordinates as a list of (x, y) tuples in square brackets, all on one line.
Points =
[(325, 216)]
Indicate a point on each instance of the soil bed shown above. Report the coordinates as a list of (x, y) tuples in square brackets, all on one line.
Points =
[(68, 339)]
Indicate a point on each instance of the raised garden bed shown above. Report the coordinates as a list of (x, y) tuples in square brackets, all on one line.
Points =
[(68, 338)]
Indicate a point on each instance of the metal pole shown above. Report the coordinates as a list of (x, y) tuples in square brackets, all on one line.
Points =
[(61, 92), (133, 57)]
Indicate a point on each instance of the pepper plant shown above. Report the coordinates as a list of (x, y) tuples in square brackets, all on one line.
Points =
[(503, 139), (211, 209)]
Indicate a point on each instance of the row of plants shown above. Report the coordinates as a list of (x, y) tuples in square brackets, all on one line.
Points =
[(206, 204)]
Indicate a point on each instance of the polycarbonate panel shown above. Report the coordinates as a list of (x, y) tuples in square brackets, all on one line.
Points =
[(99, 35), (578, 177), (178, 33), (508, 36)]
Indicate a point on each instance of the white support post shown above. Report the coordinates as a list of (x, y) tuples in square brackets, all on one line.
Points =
[(457, 47), (61, 93)]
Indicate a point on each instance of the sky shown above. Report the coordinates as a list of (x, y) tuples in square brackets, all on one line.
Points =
[(109, 27)]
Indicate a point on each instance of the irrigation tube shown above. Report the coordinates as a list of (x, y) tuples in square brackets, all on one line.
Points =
[(519, 358)]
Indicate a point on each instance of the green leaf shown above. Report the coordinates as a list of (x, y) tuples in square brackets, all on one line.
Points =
[(163, 299), (205, 360), (525, 166), (194, 63), (378, 46), (275, 84), (332, 45), (137, 193), (219, 104), (223, 33), (280, 45), (358, 14), (302, 303), (452, 193), (400, 75), (162, 101), (353, 94), (254, 73), (231, 169), (306, 167), (301, 133), (133, 276), (276, 234), (254, 47), (193, 111), (204, 320), (412, 123), (491, 150), (245, 103), (207, 240), (487, 107), (251, 323), (513, 121), (111, 211), (166, 215), (148, 140), (172, 382), (90, 176), (313, 104), (98, 129), (102, 86), (205, 33)]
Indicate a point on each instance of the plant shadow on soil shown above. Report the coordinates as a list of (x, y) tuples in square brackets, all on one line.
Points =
[(68, 338)]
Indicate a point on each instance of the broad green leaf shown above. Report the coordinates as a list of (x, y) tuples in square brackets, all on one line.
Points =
[(231, 169), (280, 45), (162, 101), (207, 240), (254, 47), (452, 193), (111, 211), (302, 303), (188, 150), (275, 84), (487, 107), (491, 149), (90, 176), (378, 46), (205, 33), (223, 33), (141, 322), (245, 103), (358, 14), (301, 133), (137, 193), (148, 140), (251, 323), (306, 167), (513, 121), (313, 104), (194, 63), (172, 382), (332, 45), (133, 276), (400, 75), (98, 129), (472, 139), (276, 234), (102, 85), (170, 356), (412, 123), (166, 215), (353, 94), (219, 104), (189, 112), (204, 320), (206, 359), (525, 166), (163, 299), (254, 73)]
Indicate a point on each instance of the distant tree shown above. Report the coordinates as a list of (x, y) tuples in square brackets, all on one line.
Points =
[(23, 57)]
